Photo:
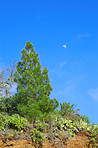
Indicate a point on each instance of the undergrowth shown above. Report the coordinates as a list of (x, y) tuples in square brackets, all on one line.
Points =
[(16, 127)]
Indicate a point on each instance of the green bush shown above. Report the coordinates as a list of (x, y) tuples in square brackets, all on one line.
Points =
[(37, 134), (17, 122), (3, 118)]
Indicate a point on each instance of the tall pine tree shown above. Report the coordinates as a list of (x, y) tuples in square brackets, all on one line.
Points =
[(33, 85)]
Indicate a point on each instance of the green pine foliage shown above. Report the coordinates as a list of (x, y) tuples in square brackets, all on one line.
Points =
[(33, 85)]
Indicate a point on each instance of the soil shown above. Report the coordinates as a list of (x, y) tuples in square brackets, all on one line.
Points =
[(81, 140)]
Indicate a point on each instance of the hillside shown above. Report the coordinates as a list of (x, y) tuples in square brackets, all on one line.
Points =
[(30, 118)]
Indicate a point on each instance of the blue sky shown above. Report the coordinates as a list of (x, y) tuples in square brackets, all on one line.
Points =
[(65, 34)]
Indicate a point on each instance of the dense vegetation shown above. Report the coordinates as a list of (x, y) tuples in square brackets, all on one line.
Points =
[(31, 110)]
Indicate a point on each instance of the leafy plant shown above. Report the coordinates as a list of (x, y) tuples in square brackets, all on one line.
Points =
[(37, 134), (15, 121), (67, 110), (94, 134)]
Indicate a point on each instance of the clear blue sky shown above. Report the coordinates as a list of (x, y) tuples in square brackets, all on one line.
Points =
[(65, 34)]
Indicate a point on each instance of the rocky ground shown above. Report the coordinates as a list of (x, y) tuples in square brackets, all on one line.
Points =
[(81, 140)]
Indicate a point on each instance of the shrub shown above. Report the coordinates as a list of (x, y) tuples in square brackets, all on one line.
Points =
[(15, 121)]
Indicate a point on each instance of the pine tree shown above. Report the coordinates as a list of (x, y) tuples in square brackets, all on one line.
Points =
[(33, 84)]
